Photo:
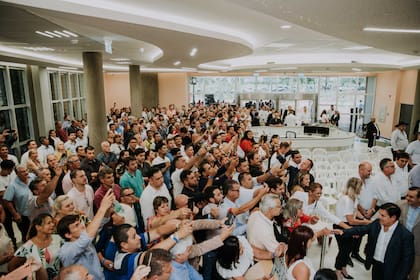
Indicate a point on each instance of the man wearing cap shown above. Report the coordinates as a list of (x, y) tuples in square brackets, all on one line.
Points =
[(413, 149), (399, 140)]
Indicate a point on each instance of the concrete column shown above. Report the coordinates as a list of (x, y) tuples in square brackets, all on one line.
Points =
[(136, 96), (150, 89), (95, 98), (42, 100)]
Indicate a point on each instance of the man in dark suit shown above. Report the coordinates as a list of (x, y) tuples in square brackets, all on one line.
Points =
[(390, 246), (372, 132)]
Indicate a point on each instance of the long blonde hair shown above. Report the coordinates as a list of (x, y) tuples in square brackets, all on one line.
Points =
[(353, 187)]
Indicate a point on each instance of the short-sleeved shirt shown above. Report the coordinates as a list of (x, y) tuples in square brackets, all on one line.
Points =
[(83, 200), (134, 182), (81, 252), (19, 193), (347, 207), (48, 256)]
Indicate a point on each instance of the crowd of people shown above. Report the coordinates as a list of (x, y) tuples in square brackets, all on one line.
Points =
[(189, 193)]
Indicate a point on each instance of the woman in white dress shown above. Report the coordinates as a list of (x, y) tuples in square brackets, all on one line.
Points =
[(299, 266)]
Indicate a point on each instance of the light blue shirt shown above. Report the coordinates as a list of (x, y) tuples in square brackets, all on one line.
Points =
[(184, 271), (81, 252), (19, 193), (240, 220), (412, 215)]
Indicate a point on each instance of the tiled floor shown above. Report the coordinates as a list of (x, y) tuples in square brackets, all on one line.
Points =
[(358, 271)]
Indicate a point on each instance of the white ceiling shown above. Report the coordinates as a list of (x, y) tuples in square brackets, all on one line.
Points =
[(230, 35)]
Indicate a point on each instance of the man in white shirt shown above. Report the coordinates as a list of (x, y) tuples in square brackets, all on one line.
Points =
[(4, 154), (399, 140), (400, 177), (30, 144), (413, 149), (82, 194), (260, 228), (156, 187), (385, 191), (305, 116), (45, 149), (367, 200)]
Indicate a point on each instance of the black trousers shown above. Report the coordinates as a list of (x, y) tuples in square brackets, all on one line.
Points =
[(377, 270), (345, 246)]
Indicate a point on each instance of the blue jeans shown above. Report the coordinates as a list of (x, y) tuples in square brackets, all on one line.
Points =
[(209, 264)]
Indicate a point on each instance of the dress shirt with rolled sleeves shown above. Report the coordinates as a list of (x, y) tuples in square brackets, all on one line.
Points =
[(400, 179), (385, 191)]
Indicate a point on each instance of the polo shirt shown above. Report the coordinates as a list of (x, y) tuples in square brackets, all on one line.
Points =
[(134, 182)]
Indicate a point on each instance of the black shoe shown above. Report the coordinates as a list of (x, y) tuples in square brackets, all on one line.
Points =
[(350, 262), (348, 276), (358, 257)]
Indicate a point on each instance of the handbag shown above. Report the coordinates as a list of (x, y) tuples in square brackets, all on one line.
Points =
[(279, 268)]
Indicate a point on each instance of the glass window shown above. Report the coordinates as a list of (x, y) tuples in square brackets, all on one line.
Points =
[(64, 86), (57, 111), (4, 119), (67, 108), (18, 90), (76, 109), (81, 85), (287, 85), (83, 107), (3, 94), (246, 84), (308, 84), (22, 118), (54, 86), (263, 84), (73, 85)]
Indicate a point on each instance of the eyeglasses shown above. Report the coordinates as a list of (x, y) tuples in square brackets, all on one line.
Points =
[(128, 194)]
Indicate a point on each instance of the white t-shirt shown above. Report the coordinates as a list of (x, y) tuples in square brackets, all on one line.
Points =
[(347, 207), (176, 182), (146, 200), (83, 200)]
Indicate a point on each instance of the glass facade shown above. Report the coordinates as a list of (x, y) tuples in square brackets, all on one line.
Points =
[(346, 93), (67, 95), (15, 108)]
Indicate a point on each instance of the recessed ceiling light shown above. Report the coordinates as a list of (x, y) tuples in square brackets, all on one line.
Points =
[(392, 30), (123, 62), (356, 69), (357, 48), (44, 34), (176, 63), (61, 33), (39, 49), (120, 59), (285, 26), (70, 33), (52, 34), (193, 52)]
